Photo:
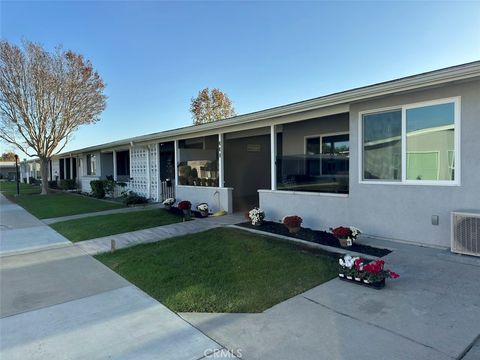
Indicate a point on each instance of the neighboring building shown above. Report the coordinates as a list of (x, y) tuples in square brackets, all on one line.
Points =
[(7, 170), (30, 171), (384, 158)]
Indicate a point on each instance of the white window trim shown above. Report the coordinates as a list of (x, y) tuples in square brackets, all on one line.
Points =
[(403, 108)]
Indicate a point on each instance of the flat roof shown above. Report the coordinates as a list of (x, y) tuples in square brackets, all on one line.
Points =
[(422, 80)]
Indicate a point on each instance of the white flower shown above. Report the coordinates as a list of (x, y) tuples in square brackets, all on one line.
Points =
[(355, 232), (202, 207), (348, 261), (169, 201), (256, 215)]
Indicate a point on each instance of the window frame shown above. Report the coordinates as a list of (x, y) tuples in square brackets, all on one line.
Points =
[(320, 136), (403, 108)]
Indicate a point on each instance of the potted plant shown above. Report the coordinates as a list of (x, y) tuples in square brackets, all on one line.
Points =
[(186, 207), (375, 274), (167, 203), (203, 209), (346, 235), (256, 216), (293, 223), (370, 274)]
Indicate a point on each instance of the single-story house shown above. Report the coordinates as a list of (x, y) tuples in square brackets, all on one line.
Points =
[(393, 159), (8, 170)]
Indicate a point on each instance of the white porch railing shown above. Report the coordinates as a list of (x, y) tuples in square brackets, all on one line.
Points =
[(167, 191)]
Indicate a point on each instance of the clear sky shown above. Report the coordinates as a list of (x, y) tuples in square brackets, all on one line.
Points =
[(154, 56)]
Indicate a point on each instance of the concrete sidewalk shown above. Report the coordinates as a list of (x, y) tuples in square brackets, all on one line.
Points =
[(63, 304), (21, 232), (431, 312), (98, 213), (103, 244)]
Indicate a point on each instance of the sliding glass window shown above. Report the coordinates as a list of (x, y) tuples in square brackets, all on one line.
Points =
[(414, 144), (431, 142), (382, 146)]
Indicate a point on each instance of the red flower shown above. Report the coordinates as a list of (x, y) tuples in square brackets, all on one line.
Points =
[(393, 275), (292, 221), (341, 232), (184, 205), (358, 263)]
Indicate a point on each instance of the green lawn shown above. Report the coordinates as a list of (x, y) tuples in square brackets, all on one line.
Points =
[(103, 225), (222, 270), (10, 188), (61, 204)]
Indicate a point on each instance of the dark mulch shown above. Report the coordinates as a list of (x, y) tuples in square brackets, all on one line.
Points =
[(315, 236), (177, 211)]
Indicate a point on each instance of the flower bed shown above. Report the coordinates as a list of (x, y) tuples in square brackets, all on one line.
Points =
[(315, 236)]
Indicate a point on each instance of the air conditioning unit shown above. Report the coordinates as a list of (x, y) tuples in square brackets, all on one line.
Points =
[(466, 233)]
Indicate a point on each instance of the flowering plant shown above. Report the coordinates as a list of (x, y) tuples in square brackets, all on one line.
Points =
[(371, 272), (374, 271), (256, 216), (349, 233), (202, 207), (347, 265), (292, 221), (169, 202), (185, 205)]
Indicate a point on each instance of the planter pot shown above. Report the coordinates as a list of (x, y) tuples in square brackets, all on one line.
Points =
[(294, 230), (344, 242), (341, 275), (258, 223), (168, 207), (374, 285), (187, 214), (204, 213)]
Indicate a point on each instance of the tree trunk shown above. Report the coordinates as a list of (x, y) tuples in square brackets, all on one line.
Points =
[(44, 162)]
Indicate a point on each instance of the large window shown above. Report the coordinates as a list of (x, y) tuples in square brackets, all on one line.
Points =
[(91, 165), (412, 144), (198, 161)]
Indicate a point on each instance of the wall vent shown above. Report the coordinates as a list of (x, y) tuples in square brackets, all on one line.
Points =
[(466, 233)]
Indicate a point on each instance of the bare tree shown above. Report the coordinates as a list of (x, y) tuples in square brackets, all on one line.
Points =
[(211, 106), (44, 98)]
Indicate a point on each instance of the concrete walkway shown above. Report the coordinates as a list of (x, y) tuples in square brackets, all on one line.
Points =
[(103, 244), (22, 232), (63, 304), (105, 212), (431, 312)]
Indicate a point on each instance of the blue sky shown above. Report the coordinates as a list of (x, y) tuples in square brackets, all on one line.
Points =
[(154, 56)]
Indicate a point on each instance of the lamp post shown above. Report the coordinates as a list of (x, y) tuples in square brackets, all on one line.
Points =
[(17, 174)]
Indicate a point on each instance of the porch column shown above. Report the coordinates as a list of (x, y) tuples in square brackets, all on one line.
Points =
[(221, 147), (149, 185), (114, 157), (159, 182), (273, 156), (71, 167), (176, 161)]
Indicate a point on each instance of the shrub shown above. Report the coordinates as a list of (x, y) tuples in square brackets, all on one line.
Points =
[(52, 184), (109, 186), (132, 198), (98, 188), (68, 184)]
